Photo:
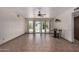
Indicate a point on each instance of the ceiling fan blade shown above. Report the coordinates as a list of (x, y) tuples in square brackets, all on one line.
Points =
[(43, 14)]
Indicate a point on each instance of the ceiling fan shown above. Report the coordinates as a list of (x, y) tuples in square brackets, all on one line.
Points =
[(40, 14)]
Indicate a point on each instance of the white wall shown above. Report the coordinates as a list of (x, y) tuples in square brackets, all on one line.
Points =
[(52, 13), (11, 26), (66, 24)]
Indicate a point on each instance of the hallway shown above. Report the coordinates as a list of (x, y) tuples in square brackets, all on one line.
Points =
[(38, 43)]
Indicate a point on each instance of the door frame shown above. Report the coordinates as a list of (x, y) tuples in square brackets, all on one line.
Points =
[(35, 19)]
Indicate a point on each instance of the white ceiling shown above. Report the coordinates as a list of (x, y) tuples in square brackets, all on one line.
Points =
[(59, 10), (53, 10)]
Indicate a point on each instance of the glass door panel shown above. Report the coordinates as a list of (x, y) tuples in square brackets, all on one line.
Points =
[(43, 26), (47, 26), (37, 27), (30, 26)]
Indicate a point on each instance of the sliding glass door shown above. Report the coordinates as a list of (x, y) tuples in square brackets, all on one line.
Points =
[(38, 26)]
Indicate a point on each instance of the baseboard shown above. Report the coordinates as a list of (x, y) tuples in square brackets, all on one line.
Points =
[(11, 39), (67, 40)]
